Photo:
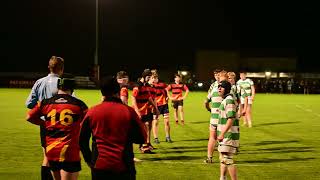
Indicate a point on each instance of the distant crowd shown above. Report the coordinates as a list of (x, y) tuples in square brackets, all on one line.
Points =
[(287, 86)]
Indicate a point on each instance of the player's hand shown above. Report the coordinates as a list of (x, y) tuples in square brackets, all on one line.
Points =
[(243, 113), (220, 137), (102, 98)]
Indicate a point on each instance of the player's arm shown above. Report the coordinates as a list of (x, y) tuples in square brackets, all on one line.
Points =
[(207, 102), (253, 91), (154, 105), (123, 96), (84, 140), (225, 129), (186, 92), (33, 98), (34, 115), (168, 93), (134, 100), (231, 114)]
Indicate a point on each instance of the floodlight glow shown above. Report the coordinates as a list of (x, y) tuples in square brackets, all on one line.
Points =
[(268, 73), (184, 73), (200, 84)]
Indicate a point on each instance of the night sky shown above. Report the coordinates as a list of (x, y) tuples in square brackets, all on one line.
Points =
[(158, 34)]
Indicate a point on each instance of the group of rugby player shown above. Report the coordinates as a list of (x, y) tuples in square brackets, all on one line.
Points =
[(67, 124), (229, 101), (150, 99)]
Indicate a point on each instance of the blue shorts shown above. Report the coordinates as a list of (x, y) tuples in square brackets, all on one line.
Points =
[(163, 109)]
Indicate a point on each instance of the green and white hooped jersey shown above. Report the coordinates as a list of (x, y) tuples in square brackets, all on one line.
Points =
[(215, 100), (245, 87), (227, 110)]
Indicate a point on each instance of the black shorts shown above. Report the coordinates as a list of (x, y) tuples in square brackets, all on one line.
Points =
[(175, 104), (102, 175), (163, 109), (147, 118), (43, 135), (66, 166)]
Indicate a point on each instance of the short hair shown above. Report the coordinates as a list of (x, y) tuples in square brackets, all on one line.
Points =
[(223, 73), (243, 71), (231, 74), (216, 71), (177, 75), (146, 72), (66, 82), (122, 74), (56, 64), (154, 74), (109, 86)]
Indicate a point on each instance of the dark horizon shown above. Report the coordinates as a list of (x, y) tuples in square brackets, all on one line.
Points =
[(164, 34)]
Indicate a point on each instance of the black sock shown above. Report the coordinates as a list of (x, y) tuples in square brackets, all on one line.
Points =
[(46, 173)]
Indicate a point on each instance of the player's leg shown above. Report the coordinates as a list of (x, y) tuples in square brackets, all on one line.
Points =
[(180, 108), (248, 115), (45, 169), (233, 172), (167, 127), (70, 170), (211, 143), (55, 170), (69, 175), (223, 167), (155, 129), (175, 112)]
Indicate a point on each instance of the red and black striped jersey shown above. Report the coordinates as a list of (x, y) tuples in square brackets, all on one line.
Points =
[(161, 93), (177, 89), (142, 94), (63, 115)]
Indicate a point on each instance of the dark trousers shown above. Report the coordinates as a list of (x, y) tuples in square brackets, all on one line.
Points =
[(109, 175)]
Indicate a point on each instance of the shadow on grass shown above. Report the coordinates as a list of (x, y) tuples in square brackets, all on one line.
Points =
[(279, 150), (274, 142), (187, 147), (186, 151), (266, 160), (203, 139), (276, 123), (199, 122), (172, 158)]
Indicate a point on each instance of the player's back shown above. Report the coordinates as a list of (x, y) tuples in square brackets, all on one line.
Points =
[(63, 115), (43, 88), (111, 123)]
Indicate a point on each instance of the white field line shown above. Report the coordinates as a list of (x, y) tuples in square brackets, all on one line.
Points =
[(307, 110)]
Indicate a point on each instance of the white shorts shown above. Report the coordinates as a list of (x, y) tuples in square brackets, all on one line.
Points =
[(249, 100)]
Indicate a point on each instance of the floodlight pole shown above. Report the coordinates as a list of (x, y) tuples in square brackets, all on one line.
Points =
[(96, 53)]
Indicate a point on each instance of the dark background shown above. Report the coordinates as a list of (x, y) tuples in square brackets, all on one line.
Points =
[(161, 34)]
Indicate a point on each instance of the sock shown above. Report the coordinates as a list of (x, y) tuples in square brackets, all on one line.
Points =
[(223, 177), (46, 173)]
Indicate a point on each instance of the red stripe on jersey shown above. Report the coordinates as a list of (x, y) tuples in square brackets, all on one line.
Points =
[(142, 95), (177, 89), (161, 94)]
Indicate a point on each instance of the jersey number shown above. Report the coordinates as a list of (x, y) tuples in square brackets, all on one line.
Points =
[(64, 117)]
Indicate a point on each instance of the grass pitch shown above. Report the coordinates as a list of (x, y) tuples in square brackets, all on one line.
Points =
[(283, 143)]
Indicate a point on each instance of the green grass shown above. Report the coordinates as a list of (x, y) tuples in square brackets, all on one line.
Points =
[(283, 143)]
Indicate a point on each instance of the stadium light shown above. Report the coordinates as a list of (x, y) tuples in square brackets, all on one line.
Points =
[(200, 84), (268, 74), (184, 73)]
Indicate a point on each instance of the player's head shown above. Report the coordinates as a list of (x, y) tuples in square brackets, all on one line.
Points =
[(177, 78), (155, 77), (216, 74), (146, 74), (109, 86), (66, 83), (232, 77), (243, 75), (223, 75), (56, 65), (122, 77), (224, 88)]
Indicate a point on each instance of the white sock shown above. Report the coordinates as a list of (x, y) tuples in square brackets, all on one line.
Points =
[(223, 177)]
